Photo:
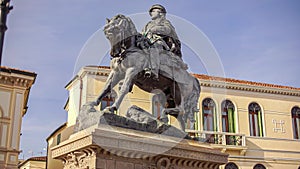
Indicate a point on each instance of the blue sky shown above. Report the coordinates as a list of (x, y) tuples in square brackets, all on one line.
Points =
[(257, 40)]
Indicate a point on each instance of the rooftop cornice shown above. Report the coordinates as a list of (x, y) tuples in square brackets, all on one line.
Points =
[(269, 89), (215, 82), (245, 82), (41, 158), (17, 71), (95, 70), (90, 70), (13, 80)]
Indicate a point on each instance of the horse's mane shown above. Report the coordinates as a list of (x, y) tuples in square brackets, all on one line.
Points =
[(128, 33), (131, 25)]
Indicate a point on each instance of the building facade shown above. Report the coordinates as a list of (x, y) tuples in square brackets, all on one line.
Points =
[(34, 163), (257, 124), (15, 86)]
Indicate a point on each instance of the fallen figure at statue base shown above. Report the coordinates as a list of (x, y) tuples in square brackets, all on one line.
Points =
[(136, 119)]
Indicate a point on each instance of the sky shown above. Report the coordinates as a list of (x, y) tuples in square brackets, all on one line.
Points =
[(255, 40)]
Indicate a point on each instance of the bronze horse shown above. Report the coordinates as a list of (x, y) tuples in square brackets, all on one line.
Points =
[(129, 62)]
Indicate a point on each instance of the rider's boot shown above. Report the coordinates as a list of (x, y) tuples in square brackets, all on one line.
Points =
[(154, 60), (147, 72)]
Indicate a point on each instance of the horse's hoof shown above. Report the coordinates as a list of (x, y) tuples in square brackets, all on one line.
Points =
[(92, 109), (164, 120), (94, 104), (110, 109)]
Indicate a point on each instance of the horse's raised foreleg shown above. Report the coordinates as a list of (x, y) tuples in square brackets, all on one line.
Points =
[(130, 74), (112, 80), (180, 117), (191, 102)]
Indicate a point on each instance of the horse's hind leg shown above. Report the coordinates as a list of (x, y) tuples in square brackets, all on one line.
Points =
[(180, 117), (130, 74), (112, 80)]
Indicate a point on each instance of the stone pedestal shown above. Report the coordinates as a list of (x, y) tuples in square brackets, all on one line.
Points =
[(108, 147)]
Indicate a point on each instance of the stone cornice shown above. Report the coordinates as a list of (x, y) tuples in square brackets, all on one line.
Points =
[(14, 77), (9, 150), (90, 70), (251, 88), (16, 71), (94, 70), (135, 144), (71, 146), (214, 82)]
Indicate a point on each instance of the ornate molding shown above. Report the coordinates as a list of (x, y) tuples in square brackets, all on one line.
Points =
[(72, 146), (95, 70), (79, 159), (251, 88), (15, 81), (132, 146), (15, 77), (86, 158), (215, 82), (279, 126)]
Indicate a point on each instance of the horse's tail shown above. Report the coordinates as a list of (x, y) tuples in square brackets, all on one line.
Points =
[(191, 102)]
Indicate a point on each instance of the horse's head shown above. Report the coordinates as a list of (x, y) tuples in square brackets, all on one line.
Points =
[(119, 28)]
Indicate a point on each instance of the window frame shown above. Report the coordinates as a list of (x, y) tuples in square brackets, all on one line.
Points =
[(229, 167), (109, 100), (295, 114), (259, 166), (58, 139), (158, 104), (229, 118), (208, 104), (255, 120)]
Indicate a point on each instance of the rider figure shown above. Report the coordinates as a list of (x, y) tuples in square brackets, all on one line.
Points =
[(162, 36)]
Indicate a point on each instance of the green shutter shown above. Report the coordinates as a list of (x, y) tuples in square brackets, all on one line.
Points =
[(231, 120), (215, 126), (260, 124)]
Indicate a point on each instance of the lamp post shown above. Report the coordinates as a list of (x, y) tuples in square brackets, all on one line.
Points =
[(4, 10)]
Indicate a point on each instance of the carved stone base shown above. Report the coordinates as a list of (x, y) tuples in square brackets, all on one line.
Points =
[(108, 147), (136, 118)]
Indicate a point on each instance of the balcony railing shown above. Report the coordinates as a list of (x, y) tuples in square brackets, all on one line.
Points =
[(221, 138)]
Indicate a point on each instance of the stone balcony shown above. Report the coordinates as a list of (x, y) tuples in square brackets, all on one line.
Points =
[(221, 140)]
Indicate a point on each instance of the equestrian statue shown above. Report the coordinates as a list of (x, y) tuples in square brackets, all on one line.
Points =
[(151, 60)]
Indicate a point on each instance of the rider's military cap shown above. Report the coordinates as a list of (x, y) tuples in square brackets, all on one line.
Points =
[(158, 6)]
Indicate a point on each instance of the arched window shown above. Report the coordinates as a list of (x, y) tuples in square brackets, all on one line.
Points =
[(108, 100), (255, 120), (228, 117), (209, 115), (259, 166), (296, 121), (231, 165), (158, 103)]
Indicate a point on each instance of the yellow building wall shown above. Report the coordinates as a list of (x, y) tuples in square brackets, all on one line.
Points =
[(276, 149), (14, 90), (64, 133), (11, 107), (34, 165), (274, 110)]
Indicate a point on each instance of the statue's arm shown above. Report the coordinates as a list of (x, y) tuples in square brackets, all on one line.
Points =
[(161, 29), (144, 30)]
